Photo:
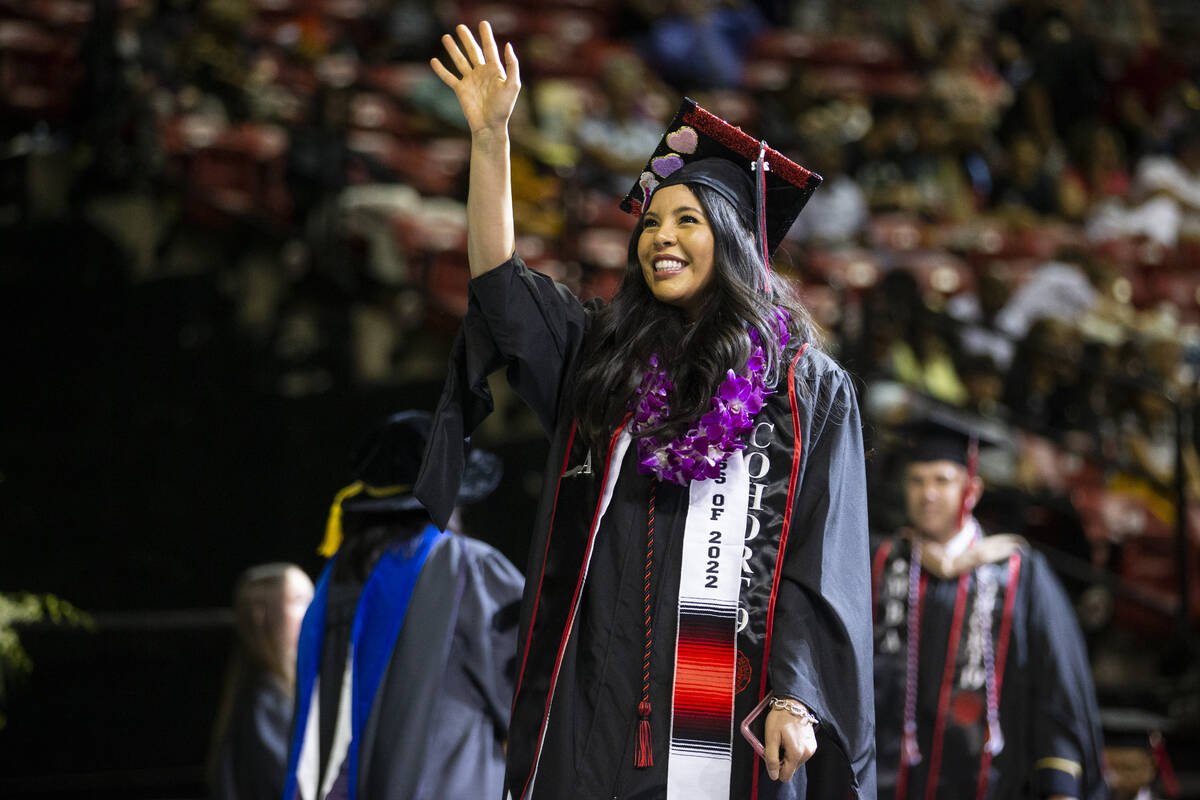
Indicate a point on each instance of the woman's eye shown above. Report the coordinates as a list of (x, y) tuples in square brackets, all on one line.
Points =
[(688, 218)]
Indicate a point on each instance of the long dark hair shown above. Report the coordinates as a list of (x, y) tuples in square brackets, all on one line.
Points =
[(636, 324), (370, 534)]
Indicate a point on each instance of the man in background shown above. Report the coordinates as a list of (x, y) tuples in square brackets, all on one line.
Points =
[(983, 687)]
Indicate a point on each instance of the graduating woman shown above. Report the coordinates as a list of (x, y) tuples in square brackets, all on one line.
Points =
[(701, 539)]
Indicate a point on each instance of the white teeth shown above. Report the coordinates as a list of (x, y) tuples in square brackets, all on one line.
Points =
[(667, 265)]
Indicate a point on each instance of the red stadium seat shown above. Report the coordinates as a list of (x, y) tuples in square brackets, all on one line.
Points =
[(938, 271), (71, 16), (602, 283), (1179, 288), (272, 13), (236, 172), (344, 10), (1018, 270), (868, 52), (983, 237), (447, 281), (872, 52), (375, 111), (1148, 566), (855, 268), (433, 167), (894, 231), (605, 248), (1043, 241), (1186, 255), (509, 22), (423, 232), (897, 84), (37, 69), (767, 74), (600, 210), (396, 80), (565, 43), (736, 107), (785, 44)]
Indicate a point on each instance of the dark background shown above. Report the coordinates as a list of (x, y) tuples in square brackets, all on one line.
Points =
[(145, 465)]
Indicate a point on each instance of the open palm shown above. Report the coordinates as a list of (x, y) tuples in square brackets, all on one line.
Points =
[(488, 88)]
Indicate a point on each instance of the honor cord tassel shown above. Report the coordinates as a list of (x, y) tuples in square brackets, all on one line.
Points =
[(643, 753)]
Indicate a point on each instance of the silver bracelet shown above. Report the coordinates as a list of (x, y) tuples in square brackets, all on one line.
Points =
[(794, 708)]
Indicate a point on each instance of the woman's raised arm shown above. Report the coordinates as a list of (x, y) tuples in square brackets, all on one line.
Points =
[(487, 92)]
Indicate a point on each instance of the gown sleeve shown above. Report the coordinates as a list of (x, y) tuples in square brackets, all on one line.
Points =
[(491, 609), (822, 647), (1066, 728), (516, 318), (535, 325)]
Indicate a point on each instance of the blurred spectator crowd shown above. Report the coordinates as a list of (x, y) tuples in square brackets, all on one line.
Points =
[(1009, 223)]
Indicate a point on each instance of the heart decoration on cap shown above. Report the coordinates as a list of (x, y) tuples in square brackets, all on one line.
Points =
[(683, 140), (665, 165), (768, 198)]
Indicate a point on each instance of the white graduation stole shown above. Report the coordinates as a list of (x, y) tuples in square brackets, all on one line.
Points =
[(702, 718)]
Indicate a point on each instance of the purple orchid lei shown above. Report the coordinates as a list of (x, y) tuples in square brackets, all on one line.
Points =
[(699, 453)]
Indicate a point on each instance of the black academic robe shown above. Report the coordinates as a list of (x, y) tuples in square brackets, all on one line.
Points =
[(579, 682), (1047, 704), (439, 717), (252, 759)]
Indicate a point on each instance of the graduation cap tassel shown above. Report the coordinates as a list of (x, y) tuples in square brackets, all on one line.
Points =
[(760, 191), (1162, 760), (333, 526), (972, 473)]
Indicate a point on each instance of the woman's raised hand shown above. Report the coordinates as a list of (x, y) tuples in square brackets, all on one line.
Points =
[(487, 90)]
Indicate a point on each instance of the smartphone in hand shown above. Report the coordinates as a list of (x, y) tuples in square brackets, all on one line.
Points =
[(753, 726)]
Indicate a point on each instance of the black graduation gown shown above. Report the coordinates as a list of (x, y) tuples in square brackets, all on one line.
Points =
[(1047, 706), (582, 743), (252, 759)]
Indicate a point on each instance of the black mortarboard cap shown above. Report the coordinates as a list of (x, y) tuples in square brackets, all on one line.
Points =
[(1132, 727), (391, 457), (702, 148), (385, 467), (946, 435)]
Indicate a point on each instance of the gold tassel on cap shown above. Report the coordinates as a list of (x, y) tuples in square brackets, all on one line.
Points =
[(333, 526)]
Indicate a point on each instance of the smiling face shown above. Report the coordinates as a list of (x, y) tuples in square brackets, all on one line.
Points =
[(675, 249)]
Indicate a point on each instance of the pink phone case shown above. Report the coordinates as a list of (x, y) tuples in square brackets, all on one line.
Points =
[(749, 720)]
